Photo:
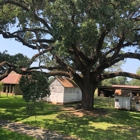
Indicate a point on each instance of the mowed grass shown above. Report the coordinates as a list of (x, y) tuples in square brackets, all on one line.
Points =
[(106, 123), (8, 135)]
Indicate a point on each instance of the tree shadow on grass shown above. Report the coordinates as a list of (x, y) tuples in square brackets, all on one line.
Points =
[(86, 132), (8, 135), (124, 117), (125, 124), (87, 128), (20, 114), (14, 109)]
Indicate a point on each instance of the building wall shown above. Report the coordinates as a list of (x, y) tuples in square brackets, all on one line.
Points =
[(62, 95), (72, 95), (10, 88), (123, 102), (56, 92)]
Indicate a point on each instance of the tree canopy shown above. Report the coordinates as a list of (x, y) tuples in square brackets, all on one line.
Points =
[(79, 39), (11, 62), (115, 81)]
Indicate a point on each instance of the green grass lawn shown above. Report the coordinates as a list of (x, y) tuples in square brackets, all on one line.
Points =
[(106, 123), (8, 135)]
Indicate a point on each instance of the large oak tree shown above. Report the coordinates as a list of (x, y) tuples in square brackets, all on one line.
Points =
[(79, 39)]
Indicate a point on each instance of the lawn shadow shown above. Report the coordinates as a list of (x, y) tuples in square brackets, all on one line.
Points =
[(14, 109), (120, 124), (81, 127), (9, 135)]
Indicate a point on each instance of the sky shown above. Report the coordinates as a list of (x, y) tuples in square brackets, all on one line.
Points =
[(15, 47)]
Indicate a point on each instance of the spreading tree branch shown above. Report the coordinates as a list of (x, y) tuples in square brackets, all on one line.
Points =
[(109, 61), (6, 63), (42, 21), (31, 30), (118, 48), (46, 67), (126, 74), (10, 35), (6, 73), (39, 54), (15, 3), (98, 48), (63, 65)]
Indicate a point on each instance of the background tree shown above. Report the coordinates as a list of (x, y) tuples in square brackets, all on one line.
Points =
[(122, 80), (115, 81), (79, 39), (109, 82), (11, 62)]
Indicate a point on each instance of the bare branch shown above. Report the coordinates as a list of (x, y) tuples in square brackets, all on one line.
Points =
[(129, 55), (98, 48), (42, 21), (5, 63), (78, 58), (31, 30), (63, 64), (48, 74), (5, 74), (118, 48), (126, 74), (9, 35), (43, 40), (100, 42), (124, 45), (15, 3), (107, 62), (40, 53), (46, 67), (61, 73)]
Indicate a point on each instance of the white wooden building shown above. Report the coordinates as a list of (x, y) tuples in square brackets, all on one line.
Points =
[(64, 90), (123, 99)]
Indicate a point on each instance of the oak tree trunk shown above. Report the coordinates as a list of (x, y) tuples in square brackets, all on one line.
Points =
[(88, 94)]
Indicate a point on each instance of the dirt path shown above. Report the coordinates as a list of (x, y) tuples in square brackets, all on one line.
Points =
[(36, 132)]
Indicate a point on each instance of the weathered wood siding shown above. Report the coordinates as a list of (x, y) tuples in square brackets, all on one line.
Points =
[(57, 92), (61, 94), (72, 95)]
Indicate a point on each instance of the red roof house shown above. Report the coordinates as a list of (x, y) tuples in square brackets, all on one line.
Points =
[(11, 83)]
